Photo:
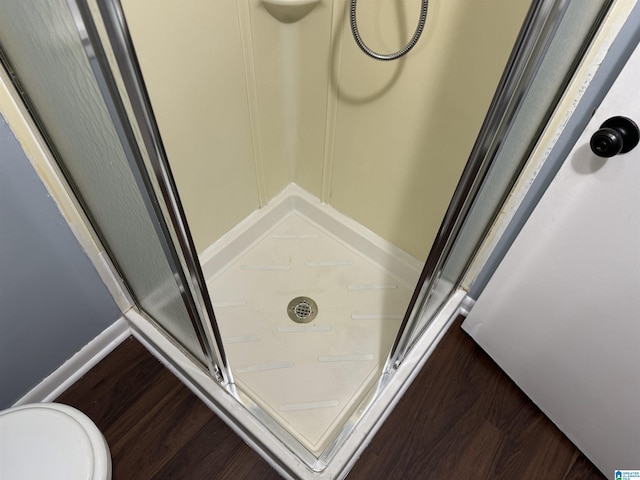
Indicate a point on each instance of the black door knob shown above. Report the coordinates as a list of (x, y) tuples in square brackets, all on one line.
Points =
[(616, 135)]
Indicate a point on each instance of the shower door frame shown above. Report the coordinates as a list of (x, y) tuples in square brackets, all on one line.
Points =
[(530, 47), (170, 221), (532, 43)]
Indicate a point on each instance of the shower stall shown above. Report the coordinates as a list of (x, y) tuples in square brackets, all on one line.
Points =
[(289, 222), (309, 291)]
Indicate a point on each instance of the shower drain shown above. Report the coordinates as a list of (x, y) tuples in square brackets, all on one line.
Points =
[(302, 309)]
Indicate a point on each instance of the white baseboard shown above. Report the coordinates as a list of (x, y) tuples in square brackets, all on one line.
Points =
[(74, 368)]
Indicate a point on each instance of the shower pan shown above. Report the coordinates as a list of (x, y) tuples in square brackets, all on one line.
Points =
[(308, 311), (297, 270)]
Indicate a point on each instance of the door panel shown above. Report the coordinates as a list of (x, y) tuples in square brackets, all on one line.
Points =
[(560, 315)]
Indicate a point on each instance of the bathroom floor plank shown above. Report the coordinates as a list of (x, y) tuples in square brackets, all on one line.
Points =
[(464, 418), (110, 389), (461, 418), (229, 458)]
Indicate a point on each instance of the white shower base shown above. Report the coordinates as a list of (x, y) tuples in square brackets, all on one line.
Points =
[(308, 377)]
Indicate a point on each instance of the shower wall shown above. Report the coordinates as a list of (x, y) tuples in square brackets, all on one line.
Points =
[(247, 104)]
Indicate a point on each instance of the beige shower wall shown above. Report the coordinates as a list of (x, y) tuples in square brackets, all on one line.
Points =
[(247, 104), (291, 61), (191, 56), (404, 129)]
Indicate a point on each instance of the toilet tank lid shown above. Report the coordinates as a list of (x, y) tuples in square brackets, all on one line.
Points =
[(53, 441)]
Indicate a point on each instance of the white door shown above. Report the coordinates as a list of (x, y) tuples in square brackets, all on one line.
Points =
[(561, 315)]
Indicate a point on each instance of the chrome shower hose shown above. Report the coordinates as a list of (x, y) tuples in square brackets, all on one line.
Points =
[(399, 53)]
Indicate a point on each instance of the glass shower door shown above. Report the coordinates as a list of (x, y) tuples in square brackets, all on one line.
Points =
[(46, 48), (540, 68)]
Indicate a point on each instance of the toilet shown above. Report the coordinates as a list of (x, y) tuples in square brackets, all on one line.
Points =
[(51, 441)]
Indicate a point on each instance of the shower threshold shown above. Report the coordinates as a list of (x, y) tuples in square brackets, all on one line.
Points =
[(306, 396)]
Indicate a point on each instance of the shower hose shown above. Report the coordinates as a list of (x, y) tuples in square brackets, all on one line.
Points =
[(399, 53)]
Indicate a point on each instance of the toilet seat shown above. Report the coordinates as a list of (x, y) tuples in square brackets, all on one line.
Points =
[(53, 441)]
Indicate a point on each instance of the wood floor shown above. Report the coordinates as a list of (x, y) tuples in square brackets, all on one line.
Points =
[(462, 418)]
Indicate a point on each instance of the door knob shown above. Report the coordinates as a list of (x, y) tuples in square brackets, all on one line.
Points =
[(616, 135)]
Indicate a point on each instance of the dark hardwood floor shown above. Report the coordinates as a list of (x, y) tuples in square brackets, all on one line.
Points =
[(462, 418)]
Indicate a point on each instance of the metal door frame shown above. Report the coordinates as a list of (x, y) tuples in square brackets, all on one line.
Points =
[(170, 221), (531, 46)]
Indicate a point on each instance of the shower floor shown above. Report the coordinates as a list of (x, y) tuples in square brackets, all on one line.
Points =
[(309, 377)]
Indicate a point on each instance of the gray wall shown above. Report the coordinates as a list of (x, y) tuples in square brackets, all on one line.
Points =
[(52, 301)]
